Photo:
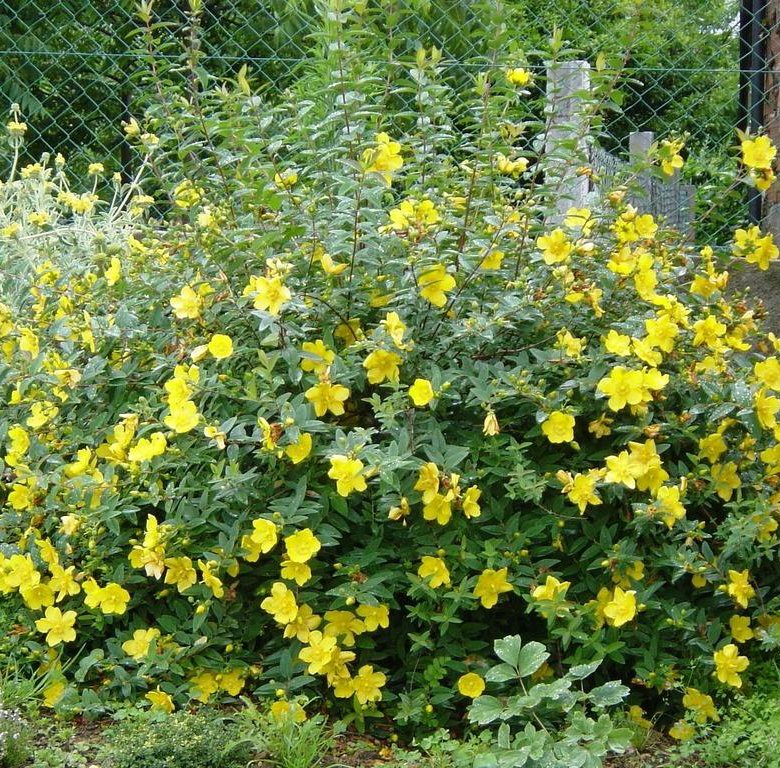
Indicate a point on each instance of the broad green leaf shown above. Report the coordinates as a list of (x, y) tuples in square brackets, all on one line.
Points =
[(485, 710), (530, 658), (501, 673), (508, 649), (609, 694)]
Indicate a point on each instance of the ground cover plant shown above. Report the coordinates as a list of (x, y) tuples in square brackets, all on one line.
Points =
[(315, 411)]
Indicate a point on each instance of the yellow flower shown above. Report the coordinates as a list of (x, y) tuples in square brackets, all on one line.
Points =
[(579, 218), (16, 128), (471, 685), (280, 604), (180, 572), (728, 664), (622, 387), (114, 271), (287, 179), (600, 427), (682, 731), (552, 589), (669, 155), (766, 409), (558, 427), (509, 167), (209, 579), (138, 646), (327, 397), (470, 502), (63, 581), (317, 358), (161, 701), (367, 684), (726, 479), (147, 448), (396, 328), (263, 538), (343, 624), (220, 346), (434, 284), (37, 596), (302, 545), (712, 446), (413, 214), (114, 599), (492, 260), (300, 449), (571, 345), (53, 692), (637, 716), (490, 585), (739, 626), (435, 571), (374, 616), (439, 508), (739, 587), (205, 684), (382, 365), (621, 608), (767, 372), (384, 159), (701, 704), (518, 76), (490, 427), (669, 505), (300, 573), (282, 711), (401, 511), (22, 496), (421, 392), (555, 247), (582, 490), (758, 153), (303, 624), (268, 293), (621, 469), (755, 249), (428, 481), (58, 626), (319, 652), (348, 474), (184, 417)]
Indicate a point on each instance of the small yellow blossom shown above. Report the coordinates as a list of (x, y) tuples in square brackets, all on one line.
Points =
[(728, 665), (421, 392), (490, 585), (434, 570), (471, 685)]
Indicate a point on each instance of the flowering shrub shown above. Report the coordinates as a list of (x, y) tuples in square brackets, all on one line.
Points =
[(360, 404)]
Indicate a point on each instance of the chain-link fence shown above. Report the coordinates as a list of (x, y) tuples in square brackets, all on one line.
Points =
[(695, 67)]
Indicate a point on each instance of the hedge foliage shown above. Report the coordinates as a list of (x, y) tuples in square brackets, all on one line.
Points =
[(357, 404)]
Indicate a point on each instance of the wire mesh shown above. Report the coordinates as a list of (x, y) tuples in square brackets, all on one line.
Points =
[(73, 66)]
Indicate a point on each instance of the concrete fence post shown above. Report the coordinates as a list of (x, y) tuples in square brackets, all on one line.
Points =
[(568, 83)]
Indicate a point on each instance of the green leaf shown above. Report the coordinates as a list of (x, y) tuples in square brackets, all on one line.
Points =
[(619, 740), (609, 694), (508, 649), (501, 673), (530, 658), (581, 671), (485, 710)]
